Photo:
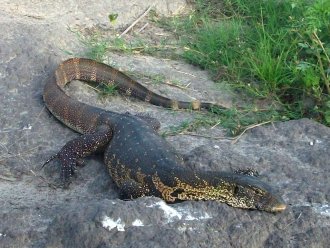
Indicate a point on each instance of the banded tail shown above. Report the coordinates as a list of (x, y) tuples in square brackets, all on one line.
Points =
[(92, 71)]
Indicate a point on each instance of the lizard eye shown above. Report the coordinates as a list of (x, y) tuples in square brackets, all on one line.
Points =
[(236, 190), (258, 205), (240, 191)]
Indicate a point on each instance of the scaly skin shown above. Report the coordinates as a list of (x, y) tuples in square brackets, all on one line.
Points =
[(141, 162)]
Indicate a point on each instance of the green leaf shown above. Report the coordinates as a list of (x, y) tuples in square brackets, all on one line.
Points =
[(303, 45), (327, 104), (112, 18), (327, 116), (303, 66), (311, 78)]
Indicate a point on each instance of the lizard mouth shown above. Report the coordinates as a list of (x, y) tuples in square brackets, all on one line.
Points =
[(279, 207)]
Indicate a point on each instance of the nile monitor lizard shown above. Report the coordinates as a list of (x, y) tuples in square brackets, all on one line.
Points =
[(141, 162)]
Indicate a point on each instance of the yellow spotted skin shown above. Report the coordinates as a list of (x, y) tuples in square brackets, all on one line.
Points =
[(140, 162)]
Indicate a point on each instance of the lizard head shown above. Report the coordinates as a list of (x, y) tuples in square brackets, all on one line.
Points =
[(251, 193)]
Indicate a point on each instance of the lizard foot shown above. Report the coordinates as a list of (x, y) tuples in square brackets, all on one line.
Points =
[(73, 152)]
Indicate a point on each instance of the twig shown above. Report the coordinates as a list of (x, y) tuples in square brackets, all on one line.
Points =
[(248, 128), (216, 124), (44, 180), (186, 73), (175, 85), (234, 139), (35, 17), (138, 48), (144, 26), (206, 136), (183, 72), (10, 179), (136, 21), (93, 88), (292, 221), (320, 43), (326, 81)]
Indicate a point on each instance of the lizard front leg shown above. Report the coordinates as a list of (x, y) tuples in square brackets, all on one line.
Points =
[(80, 148)]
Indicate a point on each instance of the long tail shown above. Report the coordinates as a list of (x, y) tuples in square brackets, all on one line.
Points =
[(90, 70)]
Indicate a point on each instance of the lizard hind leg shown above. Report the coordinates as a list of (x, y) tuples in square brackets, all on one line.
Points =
[(150, 121), (75, 150)]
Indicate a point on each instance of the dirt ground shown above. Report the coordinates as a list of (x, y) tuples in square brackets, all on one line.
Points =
[(292, 156)]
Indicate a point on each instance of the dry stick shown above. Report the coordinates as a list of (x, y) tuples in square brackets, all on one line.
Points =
[(136, 21), (10, 179), (248, 128), (234, 139), (186, 73), (292, 221), (320, 43), (206, 136), (144, 26), (168, 83), (175, 85), (216, 124), (326, 81), (53, 186), (94, 88), (142, 47)]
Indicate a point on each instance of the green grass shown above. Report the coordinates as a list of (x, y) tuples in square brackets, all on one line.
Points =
[(272, 49), (97, 45), (108, 90), (213, 46), (234, 120)]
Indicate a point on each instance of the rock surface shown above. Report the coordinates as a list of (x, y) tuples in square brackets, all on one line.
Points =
[(292, 156)]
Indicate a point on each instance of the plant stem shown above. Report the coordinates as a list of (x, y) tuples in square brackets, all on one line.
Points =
[(316, 39)]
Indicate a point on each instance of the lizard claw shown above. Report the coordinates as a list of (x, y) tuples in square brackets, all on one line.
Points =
[(49, 160), (68, 166)]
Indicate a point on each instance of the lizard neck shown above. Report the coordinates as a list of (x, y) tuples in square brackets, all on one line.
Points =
[(237, 190)]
